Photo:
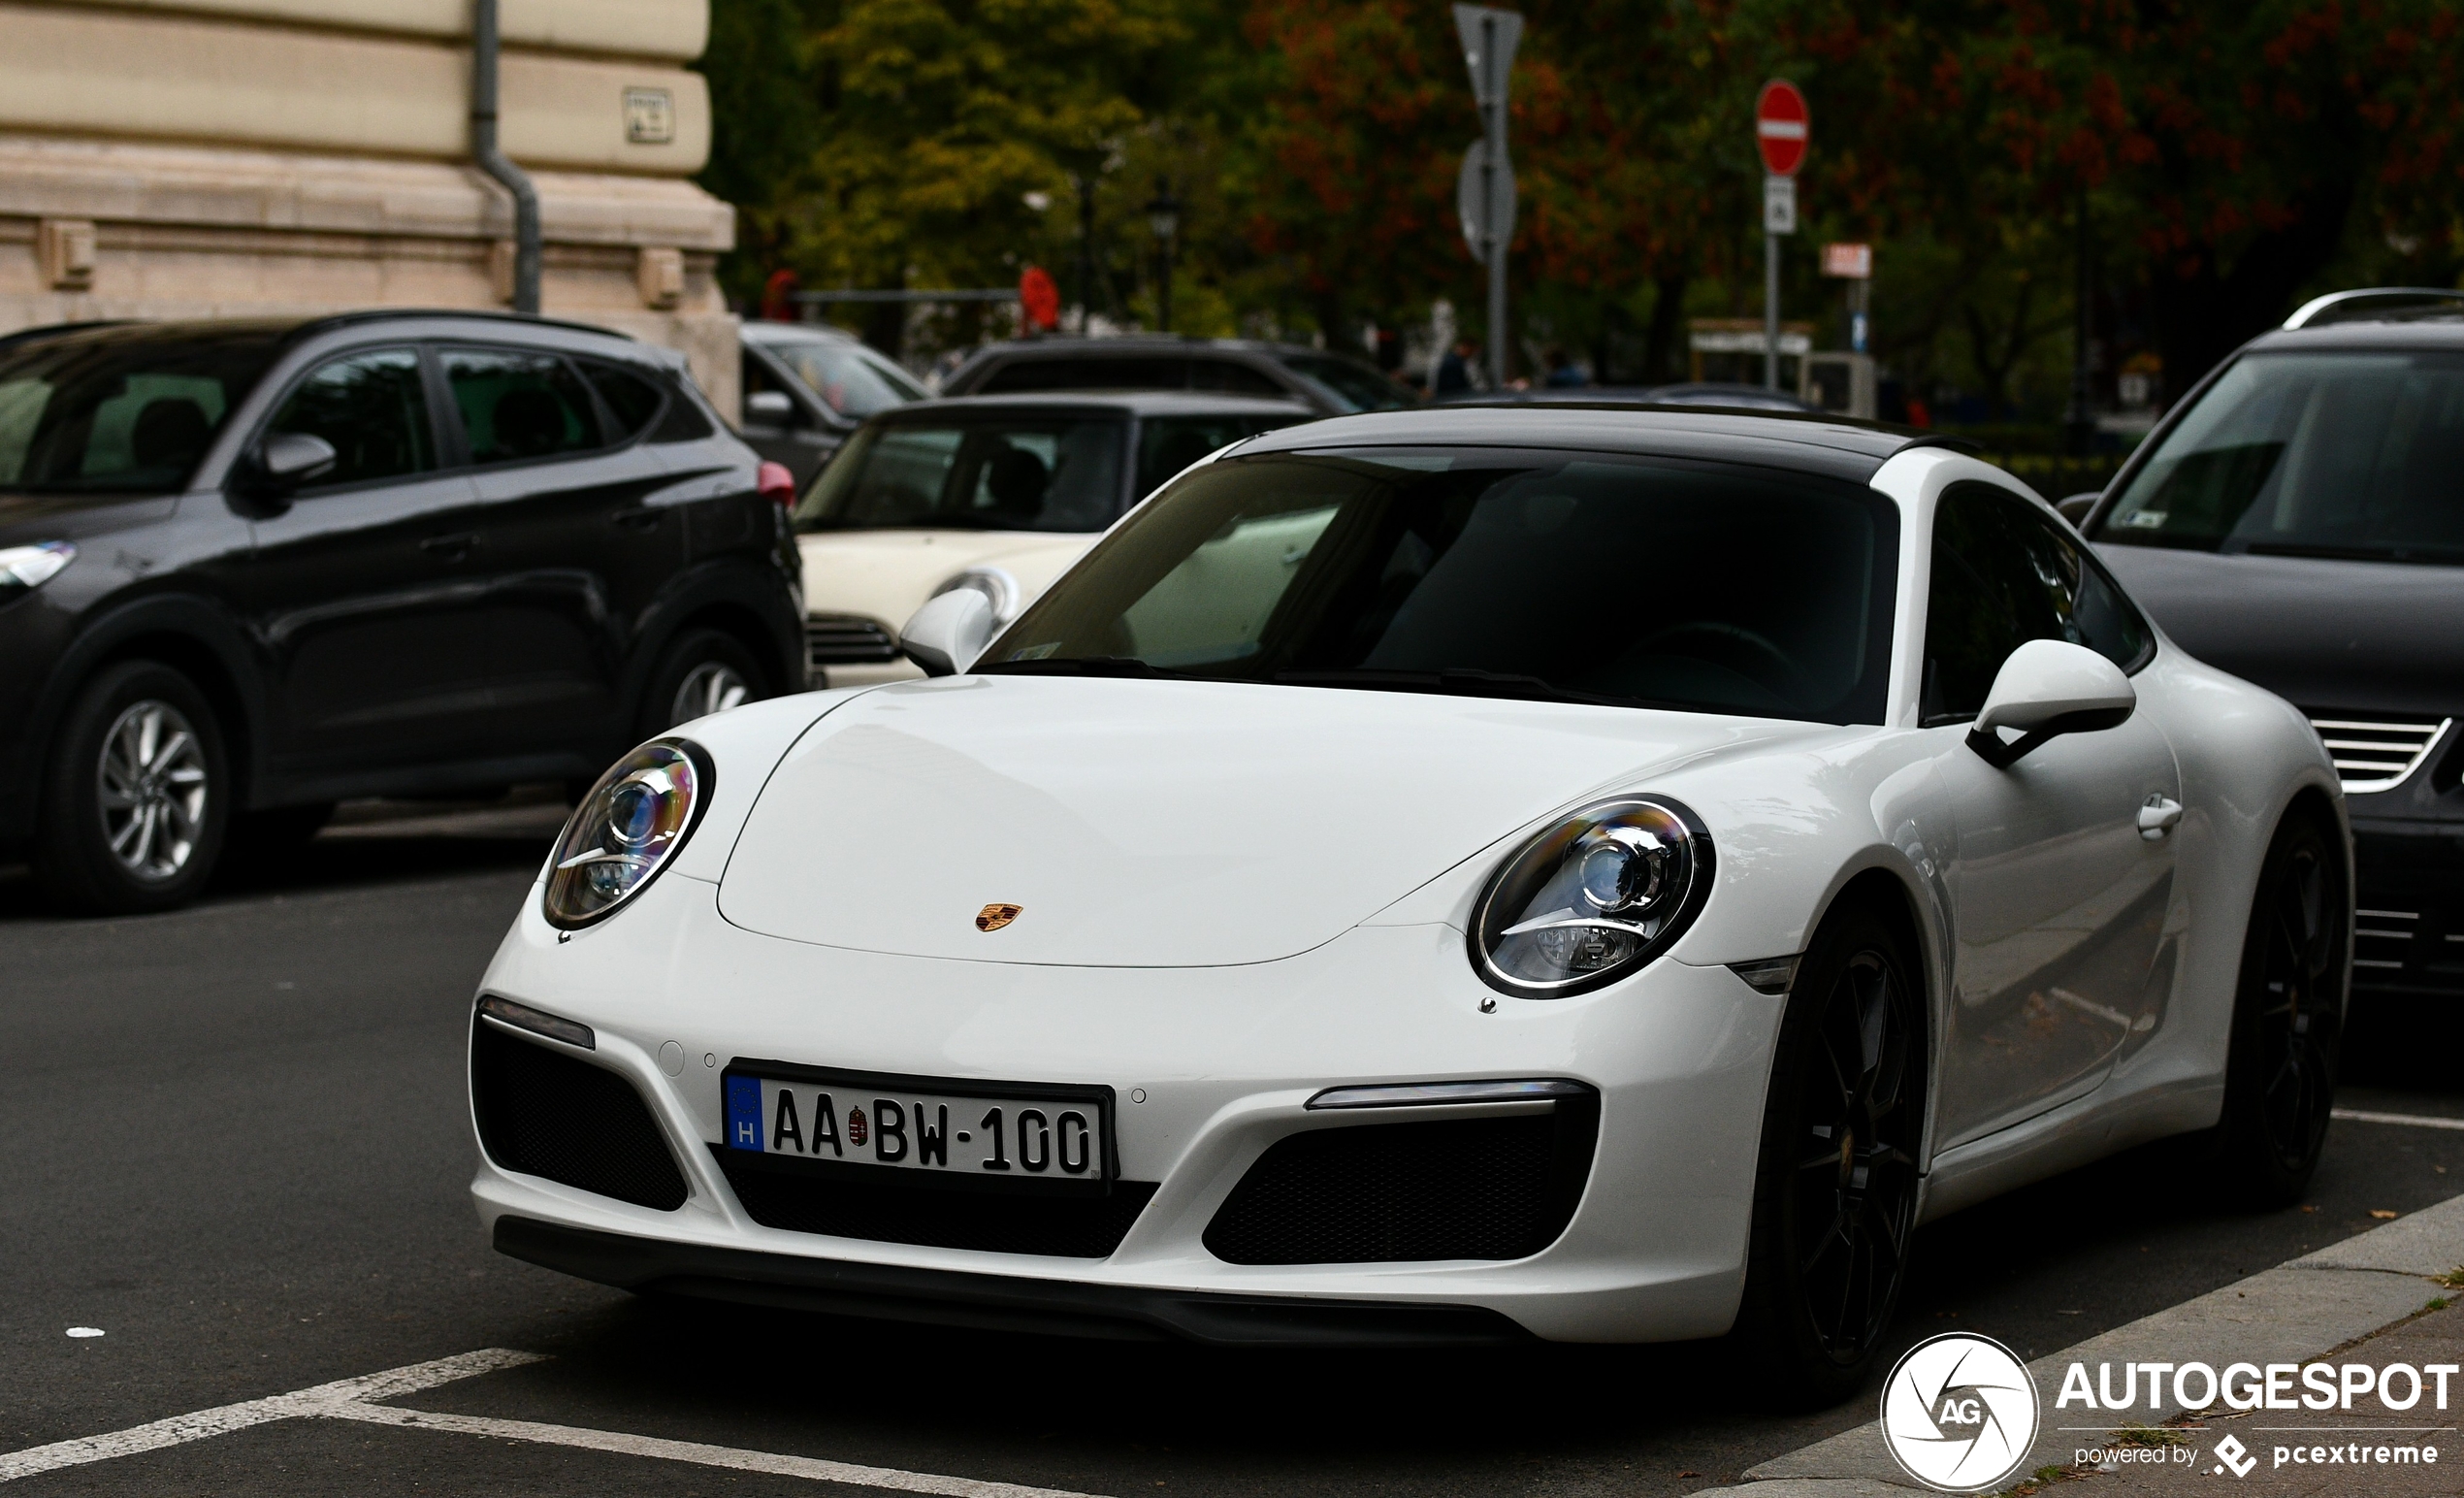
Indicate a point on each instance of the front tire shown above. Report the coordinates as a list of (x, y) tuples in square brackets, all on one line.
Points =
[(2280, 1076), (137, 794), (702, 673), (1836, 1186)]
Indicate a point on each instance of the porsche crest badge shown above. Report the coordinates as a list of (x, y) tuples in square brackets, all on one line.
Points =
[(992, 918)]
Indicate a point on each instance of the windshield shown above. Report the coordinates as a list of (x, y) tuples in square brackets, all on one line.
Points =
[(1589, 577), (1358, 389), (2311, 454), (1007, 474), (849, 378), (120, 408)]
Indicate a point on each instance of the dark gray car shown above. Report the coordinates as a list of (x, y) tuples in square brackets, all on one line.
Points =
[(2298, 520), (1330, 384), (808, 386)]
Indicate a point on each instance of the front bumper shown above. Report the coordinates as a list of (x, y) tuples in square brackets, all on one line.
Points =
[(1212, 1067)]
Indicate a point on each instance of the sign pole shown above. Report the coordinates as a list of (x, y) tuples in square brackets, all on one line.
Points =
[(1781, 128), (1493, 129)]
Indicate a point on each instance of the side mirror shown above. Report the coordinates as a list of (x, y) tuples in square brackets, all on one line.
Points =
[(771, 408), (2049, 686), (2075, 508), (290, 459), (951, 630)]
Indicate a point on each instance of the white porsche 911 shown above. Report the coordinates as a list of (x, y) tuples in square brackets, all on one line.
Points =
[(1580, 874)]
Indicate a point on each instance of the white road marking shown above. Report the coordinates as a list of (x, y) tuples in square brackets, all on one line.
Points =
[(85, 1332), (775, 1465), (2415, 1120), (181, 1429), (351, 1399)]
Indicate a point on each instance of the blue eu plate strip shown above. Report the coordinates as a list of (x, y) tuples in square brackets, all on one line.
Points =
[(744, 1113)]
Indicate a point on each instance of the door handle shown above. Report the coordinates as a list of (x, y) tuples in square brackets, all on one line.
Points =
[(639, 519), (2157, 815), (452, 548)]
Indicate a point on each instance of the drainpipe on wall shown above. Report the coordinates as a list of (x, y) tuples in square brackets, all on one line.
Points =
[(493, 160)]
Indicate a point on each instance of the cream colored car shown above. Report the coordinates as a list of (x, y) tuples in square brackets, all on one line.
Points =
[(995, 493)]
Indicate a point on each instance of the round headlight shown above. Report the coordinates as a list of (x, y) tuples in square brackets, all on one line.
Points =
[(1592, 898), (626, 829)]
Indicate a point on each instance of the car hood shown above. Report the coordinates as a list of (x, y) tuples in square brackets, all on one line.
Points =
[(886, 575), (1160, 824), (2355, 637), (34, 518)]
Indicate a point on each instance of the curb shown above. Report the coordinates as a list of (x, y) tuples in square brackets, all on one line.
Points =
[(2296, 1311)]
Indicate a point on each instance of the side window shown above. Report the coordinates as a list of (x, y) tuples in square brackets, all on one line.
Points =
[(631, 399), (684, 421), (2004, 575), (374, 409), (517, 406)]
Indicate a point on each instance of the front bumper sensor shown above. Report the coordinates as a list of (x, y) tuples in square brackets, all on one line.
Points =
[(996, 1302)]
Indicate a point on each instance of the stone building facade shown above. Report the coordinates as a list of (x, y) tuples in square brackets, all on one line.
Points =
[(185, 158)]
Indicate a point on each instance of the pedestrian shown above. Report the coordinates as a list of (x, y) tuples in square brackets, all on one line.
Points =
[(1564, 374), (1454, 370)]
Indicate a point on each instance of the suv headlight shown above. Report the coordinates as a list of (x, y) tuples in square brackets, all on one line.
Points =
[(1592, 898), (626, 829), (24, 568)]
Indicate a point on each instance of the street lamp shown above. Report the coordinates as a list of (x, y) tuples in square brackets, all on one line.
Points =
[(1163, 215)]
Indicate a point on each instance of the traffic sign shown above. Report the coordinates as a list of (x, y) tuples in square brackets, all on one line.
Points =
[(1475, 202), (1781, 127), (1780, 205), (1848, 262)]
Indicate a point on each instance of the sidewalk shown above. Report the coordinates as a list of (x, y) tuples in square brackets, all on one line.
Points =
[(2298, 1312)]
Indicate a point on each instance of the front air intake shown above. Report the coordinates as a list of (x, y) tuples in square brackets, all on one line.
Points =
[(543, 1112), (1477, 1187)]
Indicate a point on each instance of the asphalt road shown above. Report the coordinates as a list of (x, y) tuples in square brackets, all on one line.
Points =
[(238, 1147)]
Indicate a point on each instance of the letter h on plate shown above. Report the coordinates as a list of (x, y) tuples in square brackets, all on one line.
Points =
[(744, 1113)]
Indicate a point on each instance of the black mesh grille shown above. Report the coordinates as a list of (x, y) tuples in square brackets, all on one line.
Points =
[(1383, 1192), (544, 1113), (1061, 1228), (844, 640)]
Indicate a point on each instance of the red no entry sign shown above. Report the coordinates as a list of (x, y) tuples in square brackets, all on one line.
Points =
[(1780, 127)]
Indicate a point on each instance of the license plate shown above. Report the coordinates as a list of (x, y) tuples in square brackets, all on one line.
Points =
[(1007, 1133)]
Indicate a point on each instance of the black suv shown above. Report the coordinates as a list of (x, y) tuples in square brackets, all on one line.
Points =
[(248, 568), (2298, 520), (1330, 384)]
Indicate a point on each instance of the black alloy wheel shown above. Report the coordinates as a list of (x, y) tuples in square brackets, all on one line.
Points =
[(2287, 1020), (1835, 1195)]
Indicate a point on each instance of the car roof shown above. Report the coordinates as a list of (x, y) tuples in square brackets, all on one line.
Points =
[(1140, 402), (1832, 445), (424, 322), (2420, 331), (1145, 344)]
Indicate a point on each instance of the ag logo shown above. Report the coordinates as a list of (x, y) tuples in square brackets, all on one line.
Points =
[(1960, 1413), (992, 918)]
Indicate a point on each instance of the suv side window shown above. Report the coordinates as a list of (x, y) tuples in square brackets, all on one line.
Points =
[(517, 406), (631, 400), (2004, 575), (374, 409)]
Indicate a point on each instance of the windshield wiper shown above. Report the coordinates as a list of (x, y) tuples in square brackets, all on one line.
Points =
[(1085, 666), (1452, 681)]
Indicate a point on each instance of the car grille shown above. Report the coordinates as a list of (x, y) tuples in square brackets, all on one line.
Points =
[(1383, 1192), (544, 1113), (846, 640), (786, 1198), (2375, 753)]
